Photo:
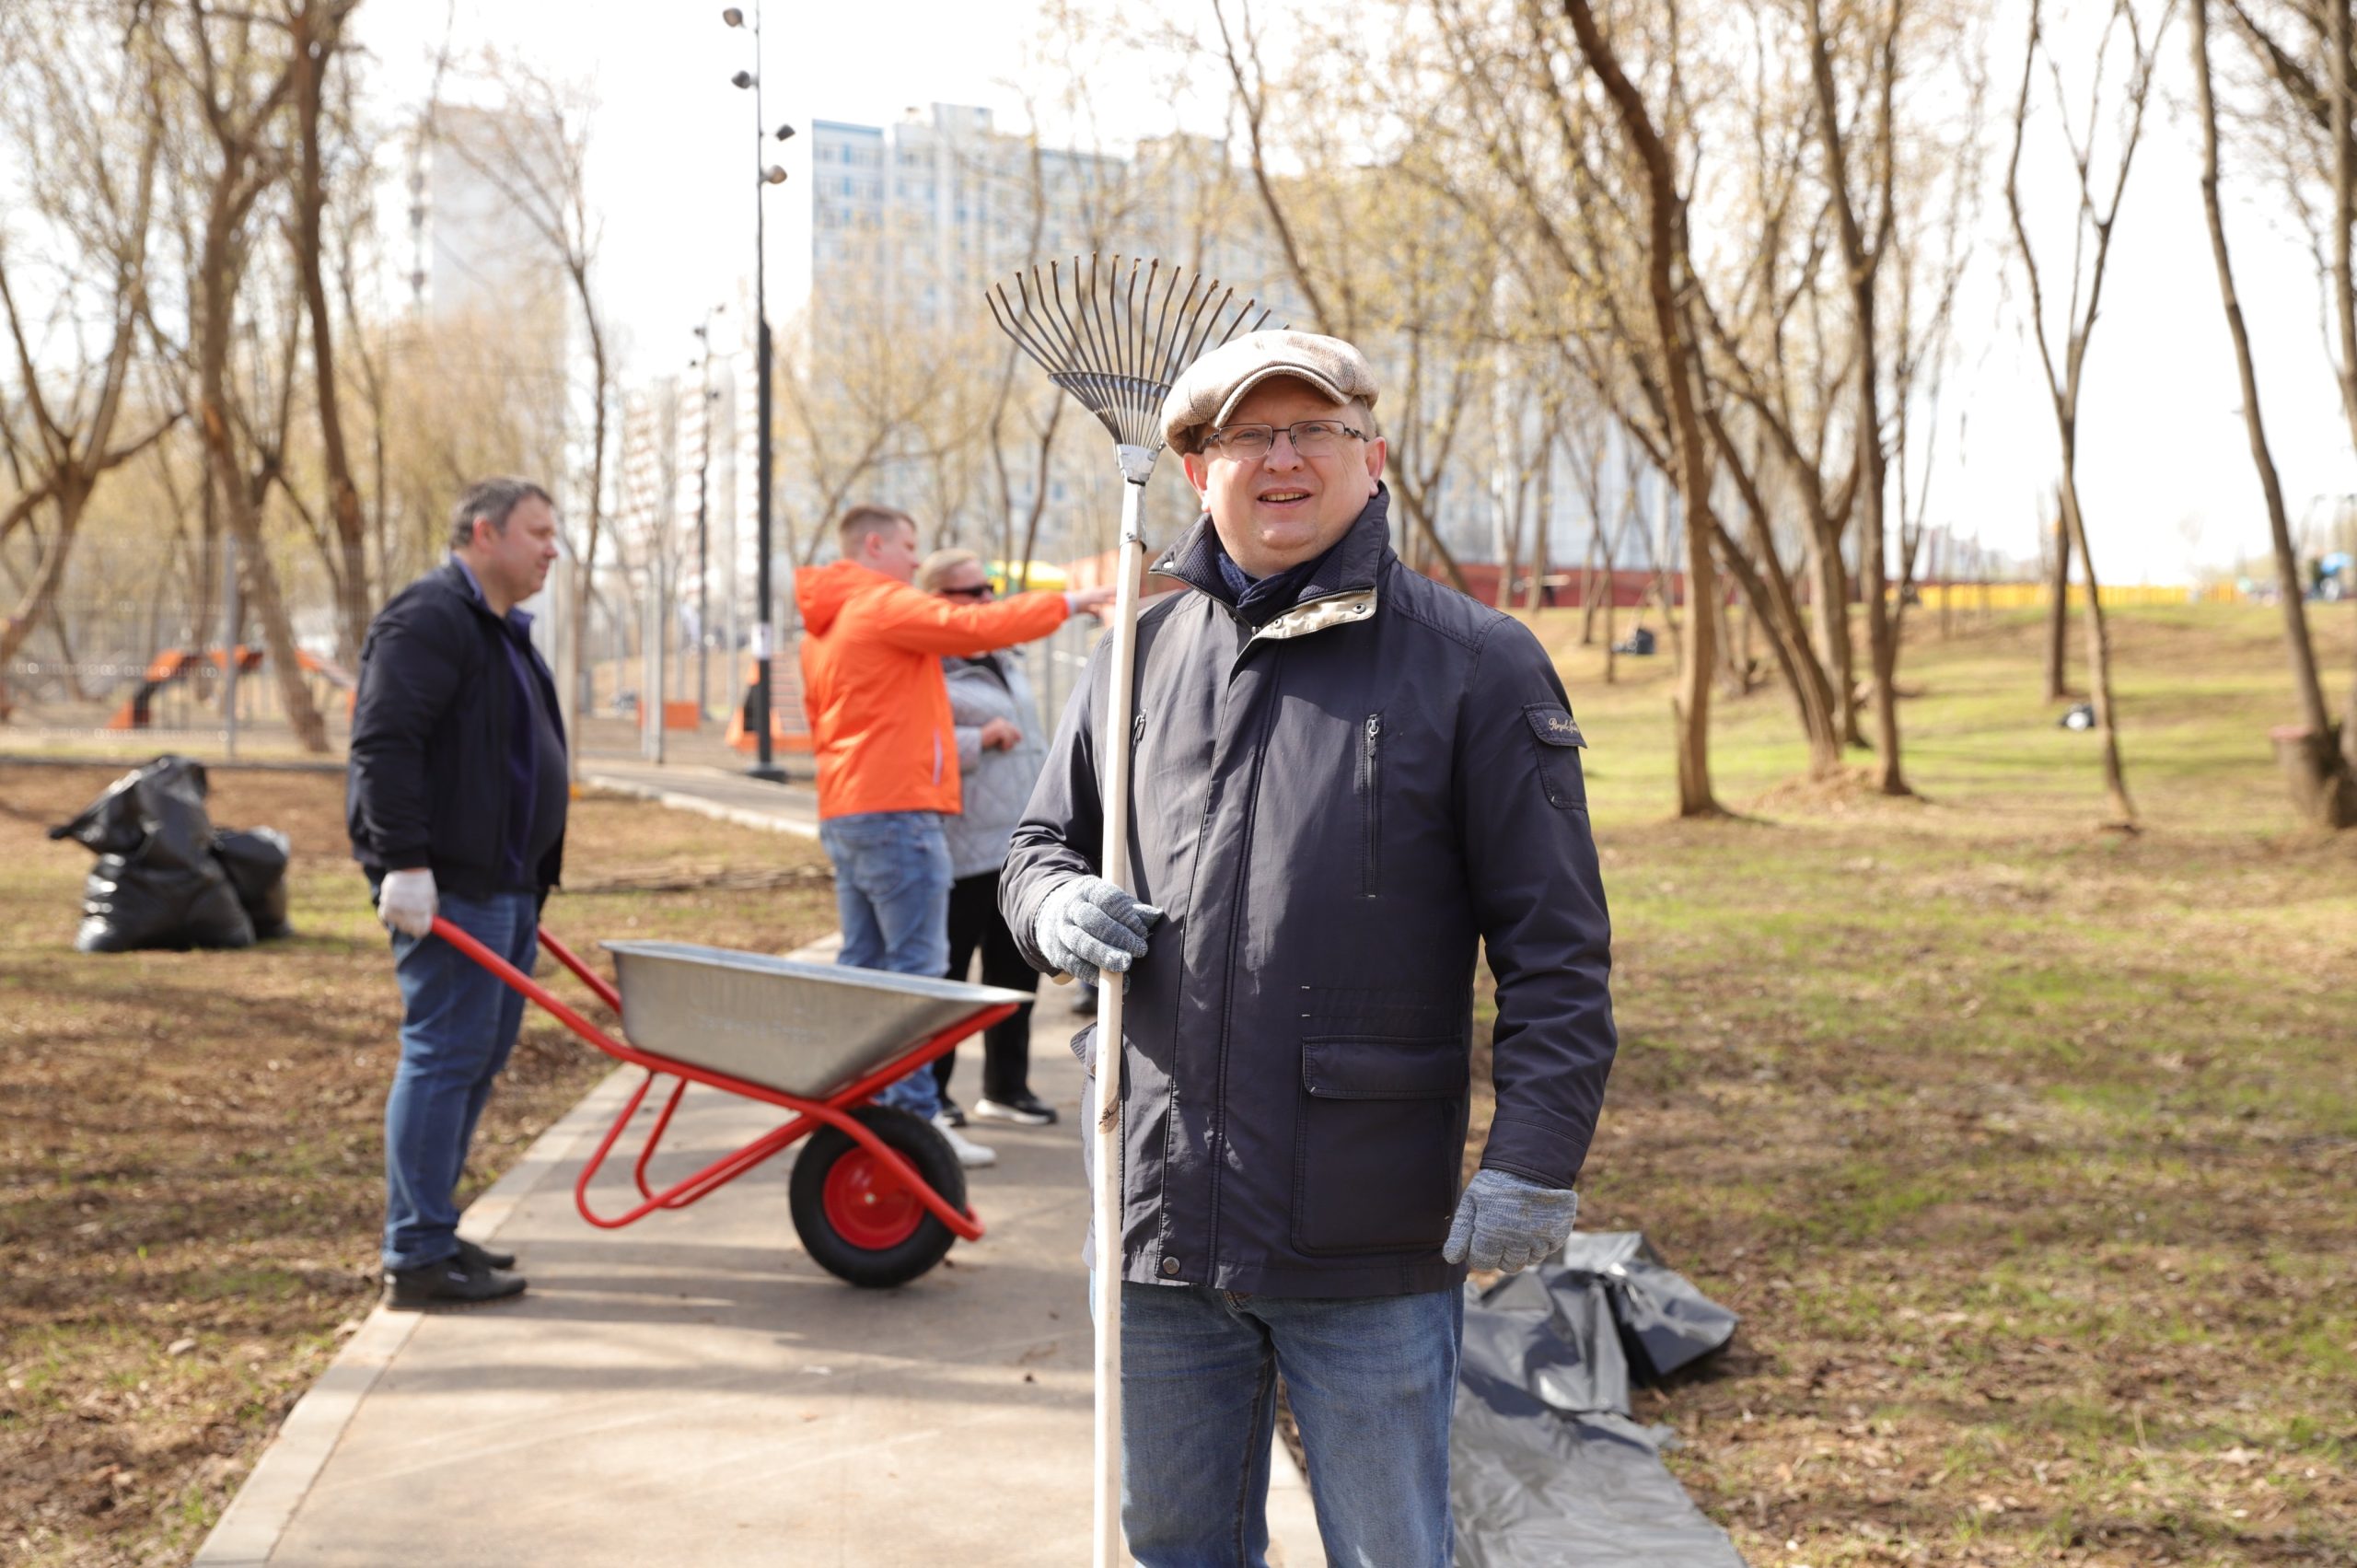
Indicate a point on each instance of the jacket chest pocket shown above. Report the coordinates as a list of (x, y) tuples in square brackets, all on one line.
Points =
[(1377, 1147), (1370, 790)]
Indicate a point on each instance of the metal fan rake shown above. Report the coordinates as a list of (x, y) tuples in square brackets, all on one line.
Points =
[(1116, 337)]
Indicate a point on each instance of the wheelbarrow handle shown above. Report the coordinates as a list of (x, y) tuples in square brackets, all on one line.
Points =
[(589, 977), (516, 978)]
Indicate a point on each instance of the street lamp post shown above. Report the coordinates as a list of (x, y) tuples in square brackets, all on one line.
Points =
[(766, 174)]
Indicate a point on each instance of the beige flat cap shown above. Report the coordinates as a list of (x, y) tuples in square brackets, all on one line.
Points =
[(1207, 394)]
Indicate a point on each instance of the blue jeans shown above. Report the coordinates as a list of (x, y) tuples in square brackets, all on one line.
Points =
[(458, 1023), (893, 896), (1373, 1383)]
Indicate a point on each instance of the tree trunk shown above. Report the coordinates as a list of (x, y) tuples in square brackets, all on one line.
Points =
[(1768, 586), (2340, 98), (1611, 613), (2115, 777), (2058, 610), (1543, 523), (215, 290), (1588, 580), (2342, 104), (1863, 262), (73, 491), (1829, 601)]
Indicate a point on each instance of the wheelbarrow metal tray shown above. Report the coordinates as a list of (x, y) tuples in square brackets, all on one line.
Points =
[(804, 1029)]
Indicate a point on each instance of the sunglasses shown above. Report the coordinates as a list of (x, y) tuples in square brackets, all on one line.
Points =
[(979, 590)]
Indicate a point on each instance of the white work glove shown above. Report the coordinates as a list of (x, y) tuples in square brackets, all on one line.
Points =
[(1503, 1222), (406, 901), (1088, 924)]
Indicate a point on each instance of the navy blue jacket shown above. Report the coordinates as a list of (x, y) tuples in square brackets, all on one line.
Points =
[(1337, 809), (429, 782)]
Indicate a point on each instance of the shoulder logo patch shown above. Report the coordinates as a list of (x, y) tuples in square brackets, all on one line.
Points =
[(1553, 725)]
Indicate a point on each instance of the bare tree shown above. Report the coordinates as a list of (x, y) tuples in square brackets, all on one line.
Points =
[(1863, 250), (2305, 49), (61, 432), (1664, 261), (237, 89), (535, 152), (2092, 225), (315, 35), (2319, 775)]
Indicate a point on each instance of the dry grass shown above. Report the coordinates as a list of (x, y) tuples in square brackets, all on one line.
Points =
[(2027, 1152), (191, 1172)]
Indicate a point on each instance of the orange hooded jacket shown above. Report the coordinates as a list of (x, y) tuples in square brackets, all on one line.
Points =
[(871, 682)]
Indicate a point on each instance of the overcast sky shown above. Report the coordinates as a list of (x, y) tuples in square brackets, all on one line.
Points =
[(2163, 449)]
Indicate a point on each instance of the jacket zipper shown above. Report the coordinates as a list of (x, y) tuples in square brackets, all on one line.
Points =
[(1371, 749)]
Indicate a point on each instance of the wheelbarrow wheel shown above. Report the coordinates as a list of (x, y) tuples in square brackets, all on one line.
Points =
[(856, 1218)]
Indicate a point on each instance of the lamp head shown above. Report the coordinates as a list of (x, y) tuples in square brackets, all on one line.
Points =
[(743, 79), (733, 17), (774, 175)]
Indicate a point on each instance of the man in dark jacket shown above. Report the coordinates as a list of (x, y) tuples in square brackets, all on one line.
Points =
[(1348, 780), (455, 804)]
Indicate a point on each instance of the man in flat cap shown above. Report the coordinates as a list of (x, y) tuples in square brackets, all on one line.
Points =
[(1349, 780)]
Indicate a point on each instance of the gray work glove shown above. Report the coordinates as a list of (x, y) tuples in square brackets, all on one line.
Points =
[(406, 901), (1503, 1222), (1088, 924)]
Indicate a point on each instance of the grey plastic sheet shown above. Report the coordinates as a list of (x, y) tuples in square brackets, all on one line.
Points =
[(1547, 1469)]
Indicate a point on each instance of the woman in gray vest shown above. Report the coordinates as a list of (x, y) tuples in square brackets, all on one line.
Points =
[(1000, 750)]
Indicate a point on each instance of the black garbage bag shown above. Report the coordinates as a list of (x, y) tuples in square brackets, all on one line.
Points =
[(255, 860), (1546, 1467), (157, 883)]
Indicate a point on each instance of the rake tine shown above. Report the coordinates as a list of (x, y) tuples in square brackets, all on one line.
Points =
[(1025, 331), (1115, 331), (1015, 324), (1080, 364), (1003, 314), (1092, 317)]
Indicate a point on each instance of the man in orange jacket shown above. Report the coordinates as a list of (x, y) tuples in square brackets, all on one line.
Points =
[(872, 687)]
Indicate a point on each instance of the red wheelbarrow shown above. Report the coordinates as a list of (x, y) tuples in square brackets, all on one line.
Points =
[(878, 1197)]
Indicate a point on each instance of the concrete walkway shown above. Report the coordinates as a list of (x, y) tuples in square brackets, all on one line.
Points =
[(694, 1389), (725, 795)]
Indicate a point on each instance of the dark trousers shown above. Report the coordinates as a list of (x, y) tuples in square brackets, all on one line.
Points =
[(975, 924)]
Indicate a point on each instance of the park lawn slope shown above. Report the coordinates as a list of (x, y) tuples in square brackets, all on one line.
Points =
[(2027, 1150), (191, 1173)]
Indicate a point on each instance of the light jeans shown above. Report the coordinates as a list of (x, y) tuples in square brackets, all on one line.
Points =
[(892, 897), (458, 1023), (1371, 1381)]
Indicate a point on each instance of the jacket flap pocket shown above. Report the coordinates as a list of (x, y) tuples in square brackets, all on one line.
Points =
[(1554, 725), (1383, 1067)]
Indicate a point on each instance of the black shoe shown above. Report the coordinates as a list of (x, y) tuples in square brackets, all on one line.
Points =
[(1027, 1109), (456, 1281), (485, 1256), (952, 1114), (1085, 1002)]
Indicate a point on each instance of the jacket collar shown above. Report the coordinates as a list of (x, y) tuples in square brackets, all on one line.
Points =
[(462, 576), (1340, 590)]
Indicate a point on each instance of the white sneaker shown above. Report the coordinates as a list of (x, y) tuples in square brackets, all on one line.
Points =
[(970, 1155)]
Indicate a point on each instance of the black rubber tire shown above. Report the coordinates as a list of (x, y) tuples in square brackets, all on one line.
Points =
[(914, 1140)]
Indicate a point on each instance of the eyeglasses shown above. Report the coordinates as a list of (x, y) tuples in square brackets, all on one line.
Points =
[(1251, 443), (979, 590)]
